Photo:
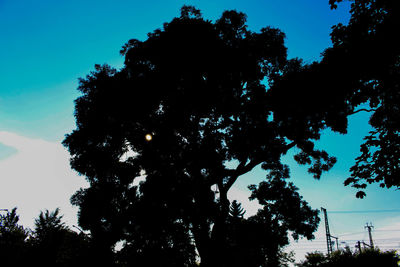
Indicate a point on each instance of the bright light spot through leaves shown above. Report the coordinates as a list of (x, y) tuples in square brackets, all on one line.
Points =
[(148, 137)]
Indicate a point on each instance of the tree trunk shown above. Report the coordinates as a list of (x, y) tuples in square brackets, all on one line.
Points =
[(218, 243)]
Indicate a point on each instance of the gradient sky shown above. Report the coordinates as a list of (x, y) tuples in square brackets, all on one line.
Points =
[(45, 46)]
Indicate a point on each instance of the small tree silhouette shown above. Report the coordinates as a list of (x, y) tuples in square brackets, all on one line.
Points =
[(49, 222), (54, 244), (236, 211), (13, 240)]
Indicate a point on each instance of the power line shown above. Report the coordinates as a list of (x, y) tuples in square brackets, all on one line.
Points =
[(355, 233), (363, 211)]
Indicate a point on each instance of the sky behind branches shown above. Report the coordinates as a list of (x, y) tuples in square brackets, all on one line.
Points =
[(45, 46)]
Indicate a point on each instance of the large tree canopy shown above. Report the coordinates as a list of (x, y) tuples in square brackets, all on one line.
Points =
[(370, 47), (192, 109), (359, 73)]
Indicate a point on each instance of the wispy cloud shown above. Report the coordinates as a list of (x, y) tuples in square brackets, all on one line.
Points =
[(37, 177)]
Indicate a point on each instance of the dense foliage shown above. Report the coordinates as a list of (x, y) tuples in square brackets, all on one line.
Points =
[(347, 258), (359, 73), (51, 243), (197, 105), (190, 110), (13, 247), (370, 47)]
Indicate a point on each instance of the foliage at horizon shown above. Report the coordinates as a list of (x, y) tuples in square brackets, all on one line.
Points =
[(346, 258), (51, 243)]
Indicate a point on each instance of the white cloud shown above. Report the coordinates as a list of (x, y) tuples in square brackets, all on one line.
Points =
[(37, 177)]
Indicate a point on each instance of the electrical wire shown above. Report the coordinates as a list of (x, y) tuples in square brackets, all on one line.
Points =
[(364, 211)]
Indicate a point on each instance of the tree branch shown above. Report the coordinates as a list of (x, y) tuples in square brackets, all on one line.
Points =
[(240, 170), (362, 109), (289, 146)]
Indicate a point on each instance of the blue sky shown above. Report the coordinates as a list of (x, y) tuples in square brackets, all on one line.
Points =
[(45, 46)]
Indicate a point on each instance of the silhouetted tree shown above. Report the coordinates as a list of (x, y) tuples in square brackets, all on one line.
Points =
[(48, 237), (347, 258), (236, 211), (51, 243), (14, 248), (260, 239), (54, 244), (315, 259), (158, 245), (371, 48), (191, 98), (49, 222), (359, 73), (283, 210)]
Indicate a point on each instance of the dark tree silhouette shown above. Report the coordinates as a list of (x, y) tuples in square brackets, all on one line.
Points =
[(236, 211), (359, 73), (260, 239), (347, 258), (283, 210), (284, 206), (193, 97), (13, 240), (51, 243), (316, 259), (48, 222), (48, 239), (155, 244), (54, 244), (371, 48)]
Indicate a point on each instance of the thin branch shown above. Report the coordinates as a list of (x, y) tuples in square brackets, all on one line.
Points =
[(362, 109), (289, 146)]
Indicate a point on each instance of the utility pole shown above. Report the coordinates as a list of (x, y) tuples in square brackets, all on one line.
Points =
[(337, 241), (366, 245), (328, 234), (369, 227), (359, 246)]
